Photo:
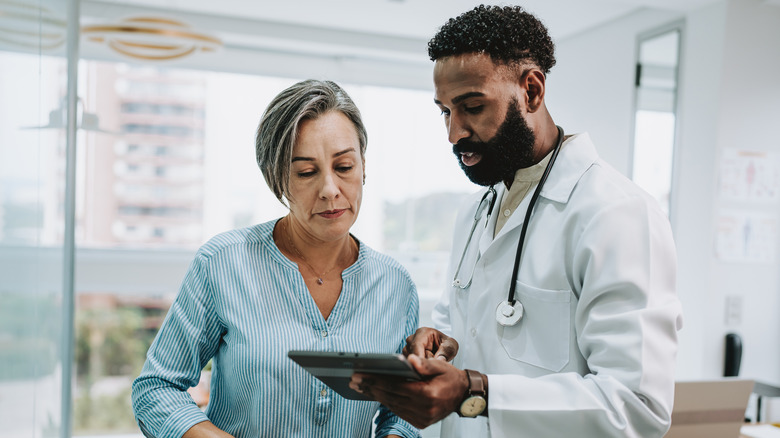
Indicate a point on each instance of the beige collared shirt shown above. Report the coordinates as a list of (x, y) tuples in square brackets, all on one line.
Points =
[(524, 180)]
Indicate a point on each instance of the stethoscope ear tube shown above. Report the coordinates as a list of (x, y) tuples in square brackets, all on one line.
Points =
[(513, 284), (491, 193)]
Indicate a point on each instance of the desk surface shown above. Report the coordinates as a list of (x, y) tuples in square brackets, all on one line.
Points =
[(766, 389), (760, 430)]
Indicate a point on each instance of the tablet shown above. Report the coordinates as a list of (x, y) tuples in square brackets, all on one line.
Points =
[(335, 368)]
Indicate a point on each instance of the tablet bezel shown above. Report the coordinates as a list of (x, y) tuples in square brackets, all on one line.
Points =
[(335, 368)]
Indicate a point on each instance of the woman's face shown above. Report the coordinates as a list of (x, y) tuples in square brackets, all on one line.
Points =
[(326, 177)]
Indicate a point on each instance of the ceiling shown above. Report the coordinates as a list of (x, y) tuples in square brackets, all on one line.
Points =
[(418, 19)]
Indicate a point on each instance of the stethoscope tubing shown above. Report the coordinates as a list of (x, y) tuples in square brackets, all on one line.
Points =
[(478, 212), (528, 212)]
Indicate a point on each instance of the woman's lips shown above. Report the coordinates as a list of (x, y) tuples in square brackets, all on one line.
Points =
[(332, 214), (470, 158)]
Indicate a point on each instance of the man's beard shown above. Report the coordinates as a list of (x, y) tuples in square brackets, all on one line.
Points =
[(512, 148)]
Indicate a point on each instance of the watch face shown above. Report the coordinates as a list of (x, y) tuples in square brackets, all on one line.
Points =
[(473, 406)]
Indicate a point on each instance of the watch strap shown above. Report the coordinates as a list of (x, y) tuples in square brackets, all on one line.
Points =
[(476, 384)]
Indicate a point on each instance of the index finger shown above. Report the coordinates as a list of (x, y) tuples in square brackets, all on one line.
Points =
[(422, 343)]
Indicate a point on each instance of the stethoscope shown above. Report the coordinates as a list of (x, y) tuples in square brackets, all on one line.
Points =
[(508, 312)]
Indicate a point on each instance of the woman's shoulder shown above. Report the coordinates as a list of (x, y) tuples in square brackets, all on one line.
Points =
[(240, 237), (384, 263)]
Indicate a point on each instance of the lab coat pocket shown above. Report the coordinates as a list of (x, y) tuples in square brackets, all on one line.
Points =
[(541, 337)]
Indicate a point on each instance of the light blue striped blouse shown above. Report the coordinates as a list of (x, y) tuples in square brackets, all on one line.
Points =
[(245, 305)]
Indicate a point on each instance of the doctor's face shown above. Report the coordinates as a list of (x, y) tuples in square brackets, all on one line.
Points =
[(484, 118), (326, 177)]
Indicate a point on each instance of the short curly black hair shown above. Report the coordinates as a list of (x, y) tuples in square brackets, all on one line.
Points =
[(507, 34)]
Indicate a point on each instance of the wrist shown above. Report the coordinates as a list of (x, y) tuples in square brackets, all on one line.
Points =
[(474, 400)]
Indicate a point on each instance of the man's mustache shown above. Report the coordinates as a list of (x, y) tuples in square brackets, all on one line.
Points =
[(468, 146)]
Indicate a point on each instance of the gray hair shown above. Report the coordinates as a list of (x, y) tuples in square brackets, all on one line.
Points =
[(278, 128)]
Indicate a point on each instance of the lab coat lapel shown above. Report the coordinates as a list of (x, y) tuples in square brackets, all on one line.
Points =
[(576, 156)]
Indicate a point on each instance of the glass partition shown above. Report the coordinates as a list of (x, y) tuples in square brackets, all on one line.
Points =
[(33, 77)]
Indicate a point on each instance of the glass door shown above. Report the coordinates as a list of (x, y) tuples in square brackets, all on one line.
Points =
[(655, 113)]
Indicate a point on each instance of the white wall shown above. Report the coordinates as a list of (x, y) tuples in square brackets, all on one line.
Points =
[(591, 88), (729, 97), (749, 110), (702, 59)]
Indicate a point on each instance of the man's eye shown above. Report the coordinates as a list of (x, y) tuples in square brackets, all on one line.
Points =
[(445, 112), (474, 109)]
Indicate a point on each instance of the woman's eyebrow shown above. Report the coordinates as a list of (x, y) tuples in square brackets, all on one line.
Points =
[(337, 154), (345, 151)]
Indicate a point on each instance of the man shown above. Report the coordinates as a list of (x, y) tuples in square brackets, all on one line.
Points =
[(586, 345)]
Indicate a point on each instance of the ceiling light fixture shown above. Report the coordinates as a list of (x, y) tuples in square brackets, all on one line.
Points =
[(151, 39), (30, 26)]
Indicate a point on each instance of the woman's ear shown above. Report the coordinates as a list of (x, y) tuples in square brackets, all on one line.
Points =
[(533, 81)]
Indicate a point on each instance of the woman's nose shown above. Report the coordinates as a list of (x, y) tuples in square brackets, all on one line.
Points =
[(330, 188)]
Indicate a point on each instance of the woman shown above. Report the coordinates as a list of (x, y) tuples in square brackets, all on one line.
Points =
[(301, 282)]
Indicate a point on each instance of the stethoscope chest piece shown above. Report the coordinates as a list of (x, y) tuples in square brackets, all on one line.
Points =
[(508, 314)]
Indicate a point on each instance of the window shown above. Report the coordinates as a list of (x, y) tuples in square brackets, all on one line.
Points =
[(187, 171)]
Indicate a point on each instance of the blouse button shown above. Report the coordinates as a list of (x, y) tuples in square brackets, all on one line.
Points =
[(324, 333), (507, 212)]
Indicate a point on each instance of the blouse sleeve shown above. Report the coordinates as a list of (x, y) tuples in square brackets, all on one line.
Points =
[(387, 423), (187, 339)]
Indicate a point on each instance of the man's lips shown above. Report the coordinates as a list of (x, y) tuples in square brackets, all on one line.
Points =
[(470, 158), (332, 214)]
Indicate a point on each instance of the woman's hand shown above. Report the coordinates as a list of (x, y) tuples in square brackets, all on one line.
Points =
[(431, 344)]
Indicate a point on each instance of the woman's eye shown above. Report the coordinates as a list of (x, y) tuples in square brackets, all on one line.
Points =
[(306, 174), (343, 169)]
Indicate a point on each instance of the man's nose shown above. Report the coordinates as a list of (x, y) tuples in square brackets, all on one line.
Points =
[(457, 130)]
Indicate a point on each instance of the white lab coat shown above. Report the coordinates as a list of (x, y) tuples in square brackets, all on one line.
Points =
[(594, 354)]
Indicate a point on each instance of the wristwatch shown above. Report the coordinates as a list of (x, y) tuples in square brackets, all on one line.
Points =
[(475, 400)]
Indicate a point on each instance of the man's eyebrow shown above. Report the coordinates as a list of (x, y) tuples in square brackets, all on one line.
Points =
[(464, 96), (337, 154), (458, 99)]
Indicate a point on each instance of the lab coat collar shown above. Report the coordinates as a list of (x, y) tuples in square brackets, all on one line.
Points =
[(577, 155)]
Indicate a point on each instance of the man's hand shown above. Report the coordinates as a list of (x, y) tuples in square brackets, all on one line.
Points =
[(431, 343), (421, 403)]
